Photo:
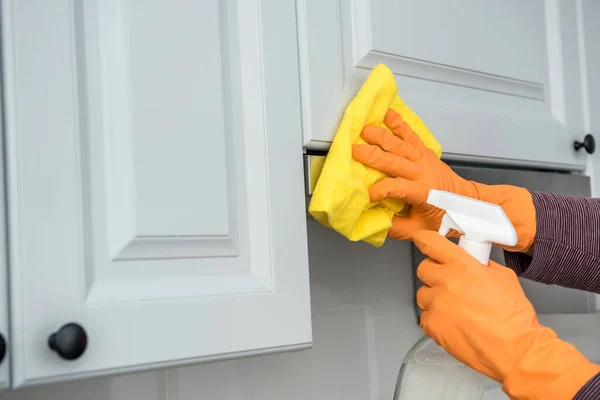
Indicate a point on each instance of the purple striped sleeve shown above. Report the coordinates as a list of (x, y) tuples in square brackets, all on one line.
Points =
[(589, 391), (566, 250)]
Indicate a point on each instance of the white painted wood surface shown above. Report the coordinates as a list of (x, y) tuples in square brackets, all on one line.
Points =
[(499, 80), (88, 146), (589, 10), (155, 182), (590, 49), (4, 299), (362, 301)]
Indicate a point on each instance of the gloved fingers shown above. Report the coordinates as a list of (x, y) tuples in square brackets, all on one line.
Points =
[(425, 296), (399, 188), (437, 247), (425, 322), (429, 324), (383, 138), (430, 272), (391, 164), (403, 228), (396, 124)]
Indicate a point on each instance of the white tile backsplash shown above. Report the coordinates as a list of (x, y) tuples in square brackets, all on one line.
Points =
[(363, 324)]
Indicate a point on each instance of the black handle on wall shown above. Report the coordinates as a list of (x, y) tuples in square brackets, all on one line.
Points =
[(70, 341), (589, 144), (2, 348)]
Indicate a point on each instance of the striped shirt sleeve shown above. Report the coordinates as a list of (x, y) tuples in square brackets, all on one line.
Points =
[(589, 391), (566, 249), (566, 252)]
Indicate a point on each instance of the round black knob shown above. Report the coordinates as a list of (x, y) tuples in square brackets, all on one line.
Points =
[(2, 348), (589, 144), (69, 341)]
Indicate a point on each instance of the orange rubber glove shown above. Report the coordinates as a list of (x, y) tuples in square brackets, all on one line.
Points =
[(415, 169), (480, 315)]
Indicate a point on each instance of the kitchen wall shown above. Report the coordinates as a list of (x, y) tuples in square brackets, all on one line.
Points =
[(363, 324)]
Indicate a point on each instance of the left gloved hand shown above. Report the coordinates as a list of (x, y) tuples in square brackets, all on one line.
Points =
[(414, 169), (481, 316)]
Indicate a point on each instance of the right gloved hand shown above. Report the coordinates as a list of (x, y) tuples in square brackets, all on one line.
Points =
[(415, 170), (480, 315)]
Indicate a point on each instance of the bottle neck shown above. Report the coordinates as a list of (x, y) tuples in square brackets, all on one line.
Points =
[(479, 250)]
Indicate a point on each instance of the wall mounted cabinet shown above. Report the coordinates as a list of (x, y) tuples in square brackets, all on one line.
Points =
[(154, 178), (4, 303), (500, 81), (155, 184)]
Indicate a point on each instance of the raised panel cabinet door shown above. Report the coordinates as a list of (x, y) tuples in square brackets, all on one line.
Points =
[(493, 79), (155, 184)]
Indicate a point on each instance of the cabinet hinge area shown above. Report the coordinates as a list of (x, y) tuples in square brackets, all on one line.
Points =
[(313, 165)]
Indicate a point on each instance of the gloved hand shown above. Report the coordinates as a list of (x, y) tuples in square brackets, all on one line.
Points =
[(415, 169), (481, 316)]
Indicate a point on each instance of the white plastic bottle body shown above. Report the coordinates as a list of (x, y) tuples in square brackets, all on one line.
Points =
[(430, 373)]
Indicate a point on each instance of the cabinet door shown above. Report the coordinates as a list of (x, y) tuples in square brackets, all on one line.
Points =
[(4, 331), (590, 10), (155, 182), (494, 79)]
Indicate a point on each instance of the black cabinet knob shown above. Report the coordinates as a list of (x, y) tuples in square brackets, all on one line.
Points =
[(2, 348), (69, 341), (589, 144)]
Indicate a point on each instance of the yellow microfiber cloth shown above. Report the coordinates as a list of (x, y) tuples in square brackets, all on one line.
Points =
[(340, 197)]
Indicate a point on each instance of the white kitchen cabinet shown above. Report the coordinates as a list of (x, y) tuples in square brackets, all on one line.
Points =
[(155, 183), (493, 79), (4, 323), (590, 9)]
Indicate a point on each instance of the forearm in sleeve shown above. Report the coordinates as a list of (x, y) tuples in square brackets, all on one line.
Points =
[(566, 250), (590, 391)]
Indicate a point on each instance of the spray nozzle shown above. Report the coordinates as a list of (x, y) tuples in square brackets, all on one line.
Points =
[(479, 223)]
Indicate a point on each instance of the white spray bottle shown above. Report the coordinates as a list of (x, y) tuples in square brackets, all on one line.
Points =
[(428, 372), (480, 224)]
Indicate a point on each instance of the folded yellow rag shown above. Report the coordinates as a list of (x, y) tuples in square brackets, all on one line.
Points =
[(340, 197)]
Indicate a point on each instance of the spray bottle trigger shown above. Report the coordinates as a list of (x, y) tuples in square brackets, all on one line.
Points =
[(447, 225)]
